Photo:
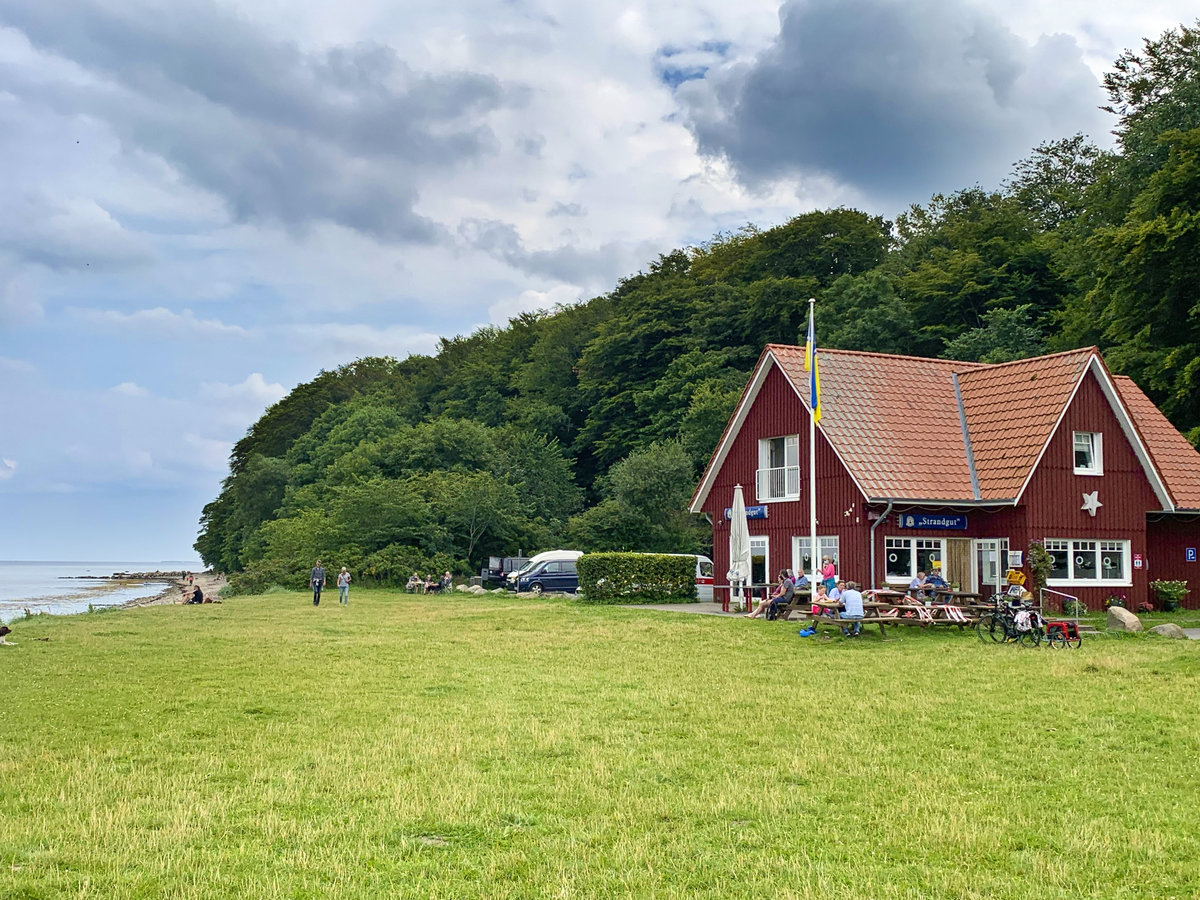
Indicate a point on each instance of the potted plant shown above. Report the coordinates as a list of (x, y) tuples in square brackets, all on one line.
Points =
[(1170, 594), (1116, 600)]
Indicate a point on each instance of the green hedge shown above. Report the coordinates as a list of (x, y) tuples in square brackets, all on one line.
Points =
[(636, 578)]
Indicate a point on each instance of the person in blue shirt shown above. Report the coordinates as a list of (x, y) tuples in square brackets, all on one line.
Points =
[(935, 581), (918, 588)]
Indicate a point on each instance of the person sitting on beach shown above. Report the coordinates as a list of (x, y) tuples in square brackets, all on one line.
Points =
[(197, 596), (415, 584)]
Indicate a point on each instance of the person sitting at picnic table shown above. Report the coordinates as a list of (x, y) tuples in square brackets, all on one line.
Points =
[(415, 584), (935, 581), (822, 603), (918, 588), (852, 607), (836, 593), (781, 596), (432, 584), (447, 580)]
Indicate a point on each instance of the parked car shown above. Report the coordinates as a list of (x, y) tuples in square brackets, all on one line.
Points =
[(498, 568), (553, 570)]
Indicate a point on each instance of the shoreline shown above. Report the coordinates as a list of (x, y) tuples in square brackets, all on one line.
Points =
[(209, 582)]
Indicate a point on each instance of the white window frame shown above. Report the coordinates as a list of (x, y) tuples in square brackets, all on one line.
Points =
[(827, 545), (1095, 442), (762, 540), (1075, 547), (913, 545), (778, 483)]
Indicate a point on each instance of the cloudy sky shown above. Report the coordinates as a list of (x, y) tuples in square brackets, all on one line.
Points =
[(203, 204)]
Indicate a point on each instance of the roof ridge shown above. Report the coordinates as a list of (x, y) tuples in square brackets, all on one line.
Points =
[(1039, 359), (927, 359)]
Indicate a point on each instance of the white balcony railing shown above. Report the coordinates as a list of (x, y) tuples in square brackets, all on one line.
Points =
[(778, 484)]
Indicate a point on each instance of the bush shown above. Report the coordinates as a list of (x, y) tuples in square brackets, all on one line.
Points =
[(1074, 608), (1170, 594), (636, 578)]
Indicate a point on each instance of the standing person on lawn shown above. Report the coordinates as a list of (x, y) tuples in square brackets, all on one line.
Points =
[(316, 580), (344, 587)]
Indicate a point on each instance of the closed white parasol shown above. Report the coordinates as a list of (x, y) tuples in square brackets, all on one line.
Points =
[(739, 544)]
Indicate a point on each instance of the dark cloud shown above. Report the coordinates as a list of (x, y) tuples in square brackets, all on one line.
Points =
[(281, 134), (895, 99)]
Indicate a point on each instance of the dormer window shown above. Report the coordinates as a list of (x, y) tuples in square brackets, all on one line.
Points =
[(1089, 456)]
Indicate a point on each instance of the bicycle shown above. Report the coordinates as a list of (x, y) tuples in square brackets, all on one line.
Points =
[(1005, 624)]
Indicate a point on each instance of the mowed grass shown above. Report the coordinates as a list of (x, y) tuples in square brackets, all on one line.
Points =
[(446, 747)]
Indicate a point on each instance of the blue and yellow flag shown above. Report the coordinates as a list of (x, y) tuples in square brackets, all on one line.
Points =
[(810, 366)]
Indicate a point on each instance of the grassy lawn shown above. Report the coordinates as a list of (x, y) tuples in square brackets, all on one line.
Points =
[(438, 747)]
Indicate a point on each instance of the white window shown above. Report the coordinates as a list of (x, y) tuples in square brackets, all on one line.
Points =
[(1082, 563), (802, 553), (760, 561), (1089, 453), (778, 468), (905, 557)]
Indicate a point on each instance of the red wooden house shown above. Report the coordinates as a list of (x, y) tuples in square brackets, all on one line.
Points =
[(930, 463)]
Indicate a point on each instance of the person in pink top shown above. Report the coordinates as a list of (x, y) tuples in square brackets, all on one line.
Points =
[(828, 573)]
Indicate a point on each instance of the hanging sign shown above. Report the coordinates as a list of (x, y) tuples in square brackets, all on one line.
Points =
[(752, 512), (928, 520), (1138, 562)]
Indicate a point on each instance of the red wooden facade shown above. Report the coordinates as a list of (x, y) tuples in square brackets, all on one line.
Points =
[(1153, 544)]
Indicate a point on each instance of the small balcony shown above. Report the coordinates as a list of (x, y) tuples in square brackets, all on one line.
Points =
[(778, 484)]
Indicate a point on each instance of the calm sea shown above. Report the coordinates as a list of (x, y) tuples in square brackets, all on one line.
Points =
[(63, 588)]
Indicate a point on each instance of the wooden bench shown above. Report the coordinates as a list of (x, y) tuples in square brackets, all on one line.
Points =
[(801, 602), (839, 624)]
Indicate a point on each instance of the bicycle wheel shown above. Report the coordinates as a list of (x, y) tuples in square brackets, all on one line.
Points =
[(1056, 638), (1030, 638), (1073, 642), (989, 629)]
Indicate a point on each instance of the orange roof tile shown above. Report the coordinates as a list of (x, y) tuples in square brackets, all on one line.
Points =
[(1011, 411), (893, 420), (1174, 456)]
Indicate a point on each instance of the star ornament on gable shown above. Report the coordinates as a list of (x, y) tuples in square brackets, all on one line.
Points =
[(1091, 503)]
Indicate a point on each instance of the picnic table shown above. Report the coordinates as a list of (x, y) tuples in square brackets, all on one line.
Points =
[(885, 607)]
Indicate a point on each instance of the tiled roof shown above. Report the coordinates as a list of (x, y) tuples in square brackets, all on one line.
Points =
[(1011, 411), (893, 420), (1175, 458)]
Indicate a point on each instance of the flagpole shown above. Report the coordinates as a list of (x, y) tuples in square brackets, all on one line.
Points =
[(812, 446)]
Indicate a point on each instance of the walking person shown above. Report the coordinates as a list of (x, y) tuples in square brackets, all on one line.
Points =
[(316, 580), (344, 587)]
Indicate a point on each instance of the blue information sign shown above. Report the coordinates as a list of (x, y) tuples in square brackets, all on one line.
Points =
[(752, 512), (1189, 554), (937, 521)]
